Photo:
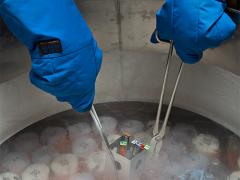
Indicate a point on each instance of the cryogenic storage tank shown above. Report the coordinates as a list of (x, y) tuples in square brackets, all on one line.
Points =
[(132, 69)]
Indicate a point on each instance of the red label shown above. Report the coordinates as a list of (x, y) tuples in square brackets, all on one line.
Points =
[(142, 146)]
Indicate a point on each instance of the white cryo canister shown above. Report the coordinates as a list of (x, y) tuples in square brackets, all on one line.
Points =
[(36, 172)]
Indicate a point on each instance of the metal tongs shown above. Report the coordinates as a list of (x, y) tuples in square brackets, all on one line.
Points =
[(104, 138), (156, 142)]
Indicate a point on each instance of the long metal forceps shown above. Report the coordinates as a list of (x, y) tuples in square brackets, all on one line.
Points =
[(104, 138), (156, 142)]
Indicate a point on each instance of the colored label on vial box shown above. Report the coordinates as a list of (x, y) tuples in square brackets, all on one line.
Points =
[(123, 148), (127, 134), (147, 147), (134, 142), (142, 146), (123, 143), (139, 144)]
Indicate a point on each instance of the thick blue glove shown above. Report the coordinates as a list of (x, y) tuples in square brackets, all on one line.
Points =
[(194, 26), (65, 57)]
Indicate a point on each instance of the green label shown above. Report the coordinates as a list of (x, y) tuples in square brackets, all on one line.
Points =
[(147, 147), (123, 143)]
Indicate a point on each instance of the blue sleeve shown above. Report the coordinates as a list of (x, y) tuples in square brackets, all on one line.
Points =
[(65, 57), (194, 26)]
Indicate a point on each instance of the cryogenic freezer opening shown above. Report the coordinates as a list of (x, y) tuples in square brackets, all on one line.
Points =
[(193, 146), (132, 70)]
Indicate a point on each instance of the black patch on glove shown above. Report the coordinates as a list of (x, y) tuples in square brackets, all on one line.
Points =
[(49, 46)]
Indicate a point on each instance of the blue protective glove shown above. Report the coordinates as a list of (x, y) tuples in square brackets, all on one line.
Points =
[(194, 26), (65, 57)]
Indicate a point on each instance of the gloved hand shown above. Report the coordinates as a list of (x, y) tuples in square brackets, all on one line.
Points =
[(65, 57), (194, 26)]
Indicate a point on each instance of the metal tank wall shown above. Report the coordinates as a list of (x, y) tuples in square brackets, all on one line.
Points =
[(132, 69)]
